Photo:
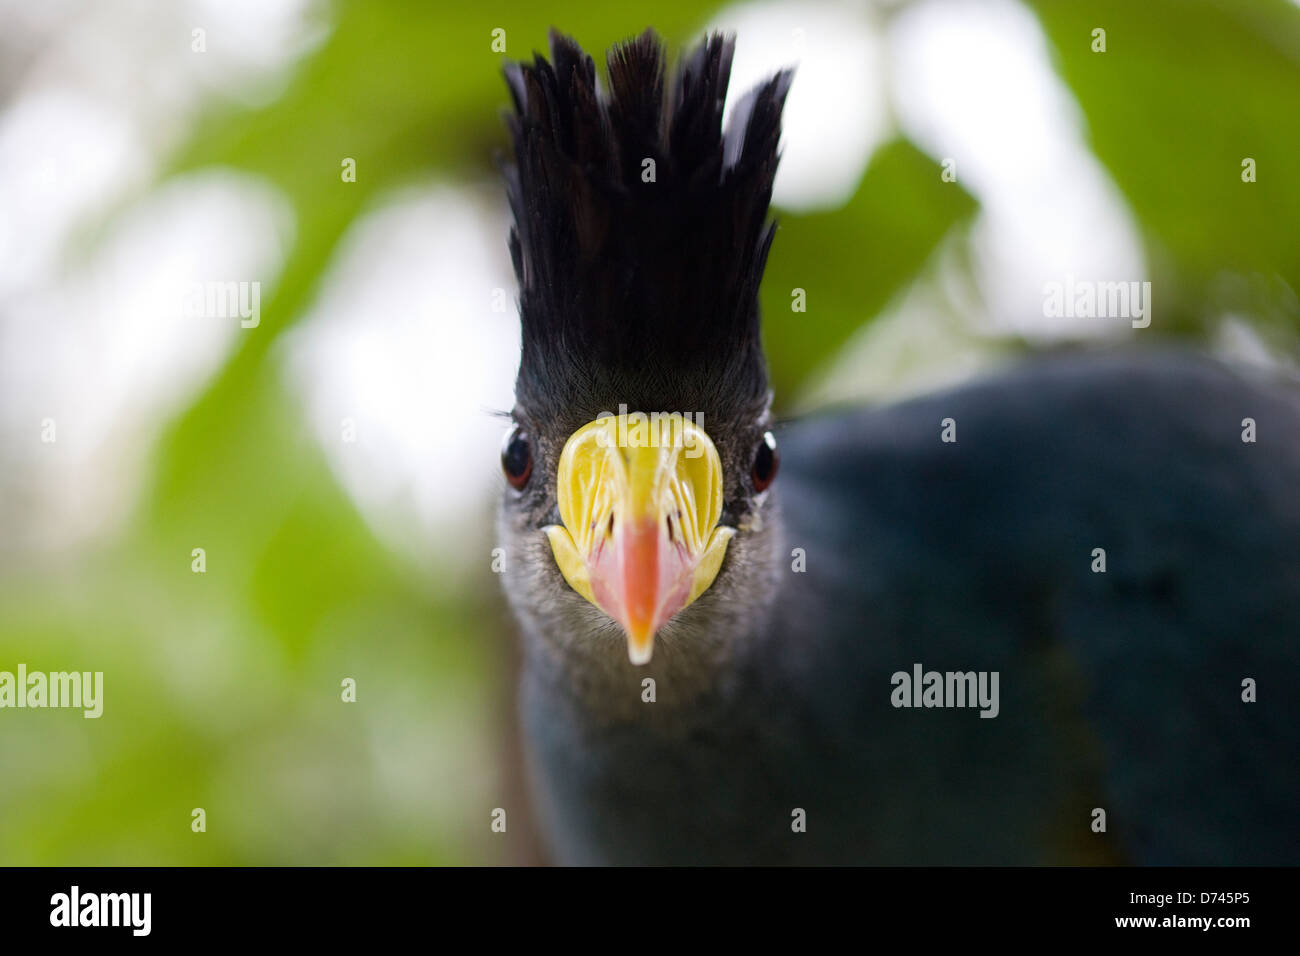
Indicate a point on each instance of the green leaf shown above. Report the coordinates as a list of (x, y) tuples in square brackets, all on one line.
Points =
[(851, 261), (1184, 92)]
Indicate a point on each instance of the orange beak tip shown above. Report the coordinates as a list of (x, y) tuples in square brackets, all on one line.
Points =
[(640, 648)]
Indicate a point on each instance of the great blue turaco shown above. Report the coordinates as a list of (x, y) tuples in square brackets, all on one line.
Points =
[(722, 618)]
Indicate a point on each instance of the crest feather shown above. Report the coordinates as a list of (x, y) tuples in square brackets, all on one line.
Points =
[(640, 227)]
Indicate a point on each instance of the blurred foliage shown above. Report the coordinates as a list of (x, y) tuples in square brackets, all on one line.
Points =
[(1185, 91), (223, 688), (851, 261)]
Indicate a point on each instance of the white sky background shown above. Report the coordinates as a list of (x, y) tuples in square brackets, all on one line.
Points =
[(404, 340), (974, 83), (835, 114)]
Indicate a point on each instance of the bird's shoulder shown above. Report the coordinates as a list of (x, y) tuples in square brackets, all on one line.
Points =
[(1118, 536)]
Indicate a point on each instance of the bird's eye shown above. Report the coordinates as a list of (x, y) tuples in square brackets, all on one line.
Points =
[(517, 459), (766, 461)]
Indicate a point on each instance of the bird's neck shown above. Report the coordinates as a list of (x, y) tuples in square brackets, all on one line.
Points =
[(591, 674)]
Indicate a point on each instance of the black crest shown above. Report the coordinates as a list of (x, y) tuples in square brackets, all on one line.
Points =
[(640, 229)]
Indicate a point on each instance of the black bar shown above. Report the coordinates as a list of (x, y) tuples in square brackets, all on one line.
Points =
[(302, 905)]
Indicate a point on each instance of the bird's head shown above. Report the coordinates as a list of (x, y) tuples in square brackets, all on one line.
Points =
[(640, 457)]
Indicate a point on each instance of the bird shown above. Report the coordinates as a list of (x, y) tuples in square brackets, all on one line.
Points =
[(1046, 616)]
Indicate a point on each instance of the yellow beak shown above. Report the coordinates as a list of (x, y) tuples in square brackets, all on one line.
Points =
[(640, 498)]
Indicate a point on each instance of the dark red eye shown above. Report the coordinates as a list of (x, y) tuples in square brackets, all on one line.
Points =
[(766, 461), (517, 459)]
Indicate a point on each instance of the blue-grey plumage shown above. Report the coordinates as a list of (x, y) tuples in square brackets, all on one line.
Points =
[(1119, 690), (1090, 530)]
